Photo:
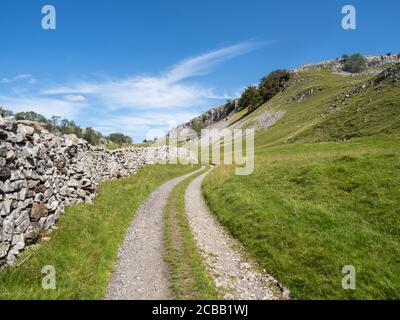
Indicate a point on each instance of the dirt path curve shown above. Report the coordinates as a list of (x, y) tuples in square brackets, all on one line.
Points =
[(141, 273), (234, 276)]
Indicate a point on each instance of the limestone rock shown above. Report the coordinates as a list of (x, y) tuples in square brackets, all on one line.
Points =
[(4, 247), (3, 151), (25, 130), (2, 122), (5, 173), (36, 126), (32, 233), (39, 210)]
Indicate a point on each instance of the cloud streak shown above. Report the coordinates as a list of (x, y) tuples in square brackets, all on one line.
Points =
[(167, 90), (146, 122), (74, 98), (201, 65), (21, 77), (45, 106)]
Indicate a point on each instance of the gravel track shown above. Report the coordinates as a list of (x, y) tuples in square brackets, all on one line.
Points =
[(235, 277), (141, 272)]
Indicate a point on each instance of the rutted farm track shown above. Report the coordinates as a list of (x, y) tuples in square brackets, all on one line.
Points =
[(141, 269)]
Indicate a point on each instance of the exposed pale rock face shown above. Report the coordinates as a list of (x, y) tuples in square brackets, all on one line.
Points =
[(207, 119), (337, 64), (40, 174), (36, 126)]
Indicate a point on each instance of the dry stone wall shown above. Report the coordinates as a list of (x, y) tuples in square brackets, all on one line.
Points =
[(41, 174)]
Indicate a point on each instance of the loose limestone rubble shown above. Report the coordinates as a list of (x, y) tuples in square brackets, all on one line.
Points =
[(41, 174)]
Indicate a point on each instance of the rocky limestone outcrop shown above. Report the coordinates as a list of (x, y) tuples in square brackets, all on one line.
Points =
[(214, 115), (303, 95), (391, 75), (205, 120), (336, 65), (41, 174)]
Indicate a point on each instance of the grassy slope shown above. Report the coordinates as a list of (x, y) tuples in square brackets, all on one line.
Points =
[(310, 209), (84, 247), (189, 278), (372, 112), (300, 116), (237, 116)]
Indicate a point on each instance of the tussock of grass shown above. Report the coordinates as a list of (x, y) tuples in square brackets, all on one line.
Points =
[(189, 278), (84, 247), (309, 210)]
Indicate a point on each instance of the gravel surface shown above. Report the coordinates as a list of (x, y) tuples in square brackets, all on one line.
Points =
[(234, 276), (141, 273)]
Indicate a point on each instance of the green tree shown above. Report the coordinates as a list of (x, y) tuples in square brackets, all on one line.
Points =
[(229, 107), (355, 64), (92, 136), (52, 124), (5, 112), (120, 139), (31, 116), (345, 58), (65, 123), (69, 127), (250, 98), (273, 83), (54, 120)]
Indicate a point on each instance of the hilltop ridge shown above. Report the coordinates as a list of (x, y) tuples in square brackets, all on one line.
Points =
[(307, 84)]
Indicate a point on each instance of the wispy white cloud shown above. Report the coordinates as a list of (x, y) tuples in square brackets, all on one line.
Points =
[(75, 98), (203, 64), (21, 77), (148, 123), (45, 106), (165, 91), (147, 118)]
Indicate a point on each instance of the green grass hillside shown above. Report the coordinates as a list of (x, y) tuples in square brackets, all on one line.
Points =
[(300, 115), (311, 119), (324, 193), (374, 111)]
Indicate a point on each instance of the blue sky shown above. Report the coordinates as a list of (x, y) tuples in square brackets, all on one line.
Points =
[(136, 66)]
